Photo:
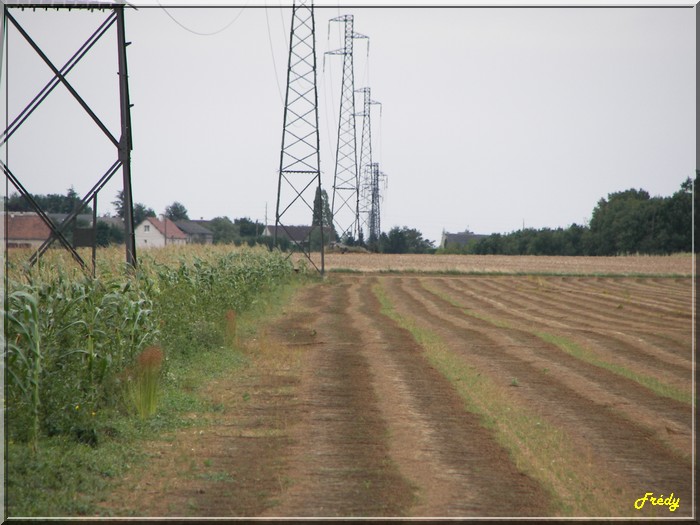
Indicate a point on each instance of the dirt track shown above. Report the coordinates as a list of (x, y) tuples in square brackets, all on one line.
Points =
[(344, 415)]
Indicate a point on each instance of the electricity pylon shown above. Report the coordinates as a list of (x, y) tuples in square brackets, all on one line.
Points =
[(365, 167), (375, 228), (300, 164), (346, 182), (122, 142)]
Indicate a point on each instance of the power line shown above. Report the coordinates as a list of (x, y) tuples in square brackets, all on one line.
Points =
[(272, 53), (199, 33), (284, 33)]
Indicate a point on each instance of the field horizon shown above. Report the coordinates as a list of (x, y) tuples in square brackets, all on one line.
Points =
[(677, 265)]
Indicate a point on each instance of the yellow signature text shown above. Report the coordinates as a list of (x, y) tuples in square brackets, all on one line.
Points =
[(670, 502)]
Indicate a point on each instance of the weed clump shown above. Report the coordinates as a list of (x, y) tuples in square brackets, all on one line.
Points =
[(143, 386)]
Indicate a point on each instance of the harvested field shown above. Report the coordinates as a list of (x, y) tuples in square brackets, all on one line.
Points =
[(457, 396), (624, 265)]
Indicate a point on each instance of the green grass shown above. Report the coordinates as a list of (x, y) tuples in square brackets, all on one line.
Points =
[(581, 353), (69, 477), (63, 478), (537, 448)]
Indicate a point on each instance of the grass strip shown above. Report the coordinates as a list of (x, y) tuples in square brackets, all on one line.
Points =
[(582, 354), (579, 352), (538, 449), (71, 479)]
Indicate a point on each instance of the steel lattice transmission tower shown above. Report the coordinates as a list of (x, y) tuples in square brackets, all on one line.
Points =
[(122, 141), (366, 159), (375, 228), (299, 181), (346, 182)]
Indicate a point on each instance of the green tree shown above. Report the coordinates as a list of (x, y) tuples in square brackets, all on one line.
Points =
[(140, 210), (321, 217), (405, 240), (322, 211), (176, 212), (118, 204), (248, 228), (691, 186), (674, 221), (225, 231), (51, 203), (619, 224), (107, 234)]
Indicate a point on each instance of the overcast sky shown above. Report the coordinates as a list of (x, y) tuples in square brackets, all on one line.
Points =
[(491, 117)]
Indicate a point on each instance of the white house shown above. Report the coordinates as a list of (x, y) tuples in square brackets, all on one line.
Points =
[(156, 233)]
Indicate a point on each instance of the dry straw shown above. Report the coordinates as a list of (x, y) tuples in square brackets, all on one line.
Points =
[(231, 332)]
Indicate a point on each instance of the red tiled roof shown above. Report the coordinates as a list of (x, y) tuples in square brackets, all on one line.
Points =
[(26, 226), (173, 232)]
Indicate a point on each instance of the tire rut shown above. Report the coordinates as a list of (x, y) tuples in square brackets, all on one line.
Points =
[(455, 463), (340, 464)]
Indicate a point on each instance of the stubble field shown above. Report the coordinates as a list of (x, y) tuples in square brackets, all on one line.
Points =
[(518, 387), (624, 265)]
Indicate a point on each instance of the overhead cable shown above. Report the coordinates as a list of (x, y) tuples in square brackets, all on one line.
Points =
[(199, 33)]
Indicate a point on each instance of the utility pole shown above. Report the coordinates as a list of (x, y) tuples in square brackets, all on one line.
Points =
[(366, 158), (345, 204), (300, 163)]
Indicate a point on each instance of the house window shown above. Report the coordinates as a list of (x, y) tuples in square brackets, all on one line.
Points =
[(147, 228)]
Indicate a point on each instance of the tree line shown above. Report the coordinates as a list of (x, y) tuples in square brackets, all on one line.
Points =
[(239, 231), (626, 222)]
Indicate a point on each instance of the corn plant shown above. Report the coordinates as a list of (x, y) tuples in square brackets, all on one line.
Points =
[(23, 359), (89, 331), (72, 339)]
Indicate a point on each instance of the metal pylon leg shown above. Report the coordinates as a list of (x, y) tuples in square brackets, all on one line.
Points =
[(123, 145)]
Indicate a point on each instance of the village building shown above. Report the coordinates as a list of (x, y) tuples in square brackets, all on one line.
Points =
[(196, 232), (156, 233), (298, 234), (25, 230)]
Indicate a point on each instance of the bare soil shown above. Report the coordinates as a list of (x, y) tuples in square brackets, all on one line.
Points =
[(341, 414)]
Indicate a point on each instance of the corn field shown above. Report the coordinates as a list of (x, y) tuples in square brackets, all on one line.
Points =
[(73, 341)]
